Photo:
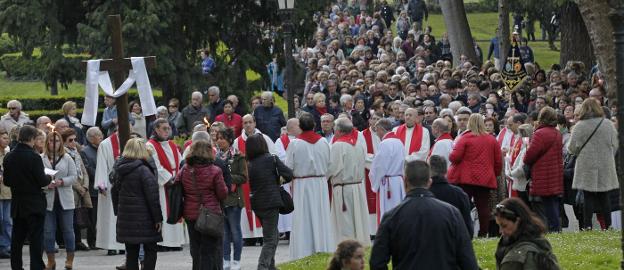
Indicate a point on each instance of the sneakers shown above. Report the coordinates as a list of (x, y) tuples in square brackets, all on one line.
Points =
[(235, 265), (226, 265)]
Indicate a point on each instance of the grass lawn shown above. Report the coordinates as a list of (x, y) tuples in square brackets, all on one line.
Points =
[(585, 250)]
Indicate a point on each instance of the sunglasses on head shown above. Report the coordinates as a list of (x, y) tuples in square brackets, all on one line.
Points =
[(501, 209)]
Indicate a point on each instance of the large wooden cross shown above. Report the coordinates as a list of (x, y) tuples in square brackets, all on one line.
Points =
[(119, 67)]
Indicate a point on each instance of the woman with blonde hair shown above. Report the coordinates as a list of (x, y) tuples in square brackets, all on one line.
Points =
[(60, 198), (203, 186), (594, 142), (476, 161), (136, 202), (69, 113)]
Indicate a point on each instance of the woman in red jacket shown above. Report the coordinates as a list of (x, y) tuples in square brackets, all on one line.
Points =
[(546, 163), (202, 180), (475, 162)]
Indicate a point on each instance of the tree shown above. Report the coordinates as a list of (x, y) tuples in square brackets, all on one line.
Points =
[(575, 41), (601, 34), (503, 31), (458, 30)]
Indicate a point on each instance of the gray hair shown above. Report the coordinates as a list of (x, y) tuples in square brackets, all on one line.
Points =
[(442, 125), (94, 131), (197, 94), (161, 109), (42, 118), (214, 90), (455, 105), (343, 125), (463, 110), (62, 120), (445, 112), (267, 94), (201, 136), (385, 124), (345, 98), (14, 103)]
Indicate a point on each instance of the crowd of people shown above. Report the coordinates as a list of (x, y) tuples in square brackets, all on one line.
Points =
[(385, 130)]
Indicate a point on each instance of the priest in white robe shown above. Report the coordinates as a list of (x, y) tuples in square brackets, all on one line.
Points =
[(372, 143), (167, 157), (349, 211), (250, 224), (386, 173), (308, 156), (106, 227), (414, 136), (444, 141), (284, 224)]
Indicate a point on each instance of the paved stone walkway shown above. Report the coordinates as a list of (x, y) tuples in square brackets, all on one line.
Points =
[(97, 260)]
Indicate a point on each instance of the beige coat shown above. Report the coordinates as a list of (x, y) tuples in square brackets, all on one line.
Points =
[(5, 192), (7, 122), (595, 165)]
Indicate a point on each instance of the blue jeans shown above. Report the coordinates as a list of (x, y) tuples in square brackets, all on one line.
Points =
[(6, 226), (232, 233), (66, 217)]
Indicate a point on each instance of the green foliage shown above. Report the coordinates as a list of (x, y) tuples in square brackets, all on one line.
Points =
[(37, 67), (6, 44), (51, 103), (581, 250)]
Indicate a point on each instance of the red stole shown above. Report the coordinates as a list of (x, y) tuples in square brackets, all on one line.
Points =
[(285, 141), (390, 135), (515, 149), (416, 140), (247, 190), (501, 136), (309, 136), (115, 144), (350, 138), (164, 161), (371, 197), (187, 144), (445, 136)]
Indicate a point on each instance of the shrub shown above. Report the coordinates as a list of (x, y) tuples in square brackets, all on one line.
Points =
[(6, 44), (20, 68), (54, 103)]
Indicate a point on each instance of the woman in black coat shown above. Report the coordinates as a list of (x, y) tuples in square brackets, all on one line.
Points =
[(136, 202), (266, 199)]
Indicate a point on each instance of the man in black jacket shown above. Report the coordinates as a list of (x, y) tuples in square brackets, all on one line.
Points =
[(448, 193), (422, 232), (89, 156), (24, 174)]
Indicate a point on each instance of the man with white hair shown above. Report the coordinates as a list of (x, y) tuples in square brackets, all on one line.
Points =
[(236, 103), (192, 113), (43, 123), (346, 101), (327, 127), (345, 173), (281, 145), (89, 156), (414, 136), (215, 106), (15, 116), (372, 143), (269, 118), (250, 224), (444, 141)]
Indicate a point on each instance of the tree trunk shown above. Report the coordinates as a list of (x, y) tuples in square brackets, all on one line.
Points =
[(575, 42), (54, 87), (458, 30), (601, 35), (503, 32)]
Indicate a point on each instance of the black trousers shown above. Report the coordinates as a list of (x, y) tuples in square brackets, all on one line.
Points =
[(595, 202), (31, 227), (269, 219), (93, 218), (206, 251), (132, 256)]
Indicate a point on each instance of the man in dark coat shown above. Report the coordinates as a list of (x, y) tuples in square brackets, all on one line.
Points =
[(192, 113), (448, 193), (422, 232), (269, 118), (24, 174), (215, 101), (89, 155)]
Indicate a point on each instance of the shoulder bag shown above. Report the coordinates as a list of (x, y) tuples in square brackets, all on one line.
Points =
[(287, 202), (207, 223), (570, 159)]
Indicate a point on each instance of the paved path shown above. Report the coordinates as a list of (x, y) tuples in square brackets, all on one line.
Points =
[(97, 260)]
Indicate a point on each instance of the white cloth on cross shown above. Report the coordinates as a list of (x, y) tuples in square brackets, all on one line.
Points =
[(96, 78)]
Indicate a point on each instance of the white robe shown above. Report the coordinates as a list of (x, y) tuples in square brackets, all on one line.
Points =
[(106, 227), (173, 235), (311, 228), (424, 145), (246, 229), (349, 211), (507, 139), (372, 218), (285, 221), (386, 175), (443, 148)]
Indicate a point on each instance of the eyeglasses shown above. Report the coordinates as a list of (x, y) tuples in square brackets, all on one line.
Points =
[(71, 140), (12, 108)]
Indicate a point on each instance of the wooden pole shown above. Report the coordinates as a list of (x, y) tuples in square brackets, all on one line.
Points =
[(123, 123)]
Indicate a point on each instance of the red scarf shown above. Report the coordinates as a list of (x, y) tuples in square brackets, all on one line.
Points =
[(368, 137), (309, 136), (285, 141), (416, 140), (247, 190), (115, 144), (350, 138), (390, 135), (322, 110), (164, 161), (371, 197)]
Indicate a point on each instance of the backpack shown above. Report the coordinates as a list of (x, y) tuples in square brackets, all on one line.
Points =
[(544, 259)]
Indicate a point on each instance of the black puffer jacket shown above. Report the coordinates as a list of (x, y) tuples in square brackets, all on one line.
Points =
[(265, 192), (137, 202)]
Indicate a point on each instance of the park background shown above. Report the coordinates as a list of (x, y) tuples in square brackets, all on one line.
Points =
[(42, 45)]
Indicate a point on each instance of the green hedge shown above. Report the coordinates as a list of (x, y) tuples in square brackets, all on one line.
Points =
[(6, 44), (471, 7), (54, 115), (20, 68), (55, 103)]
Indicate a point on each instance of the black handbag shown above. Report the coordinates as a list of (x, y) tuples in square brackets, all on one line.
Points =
[(175, 193), (288, 205), (82, 217), (207, 223)]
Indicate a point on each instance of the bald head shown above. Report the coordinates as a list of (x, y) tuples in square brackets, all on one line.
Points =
[(249, 124), (410, 117), (292, 127), (440, 126)]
